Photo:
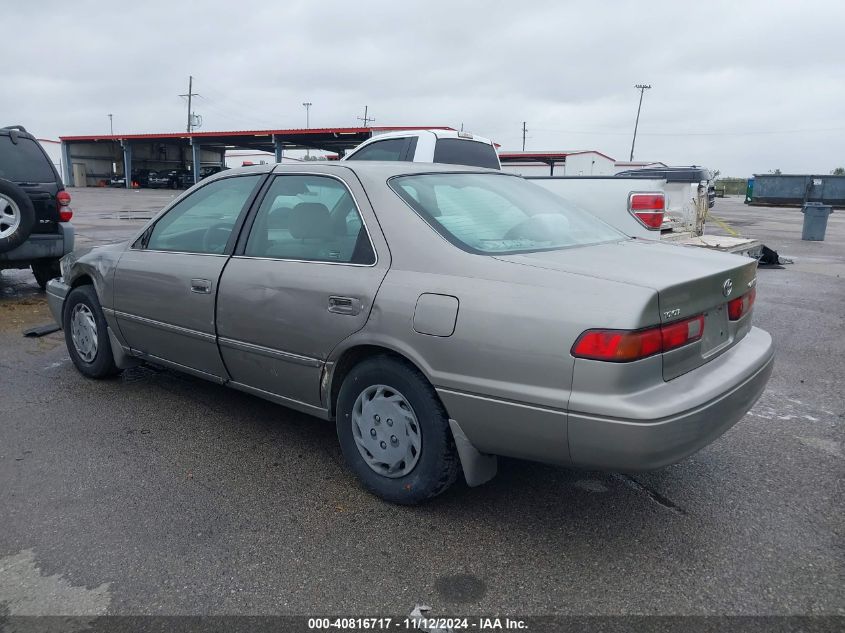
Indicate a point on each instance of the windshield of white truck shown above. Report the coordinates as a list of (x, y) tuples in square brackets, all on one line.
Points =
[(499, 214)]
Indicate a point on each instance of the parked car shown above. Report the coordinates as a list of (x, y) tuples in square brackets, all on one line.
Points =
[(440, 315), (35, 228), (160, 179), (205, 172), (142, 176), (429, 146), (117, 180)]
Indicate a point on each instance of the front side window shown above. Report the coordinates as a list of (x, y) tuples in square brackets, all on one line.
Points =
[(310, 218), (497, 214), (389, 149), (203, 222)]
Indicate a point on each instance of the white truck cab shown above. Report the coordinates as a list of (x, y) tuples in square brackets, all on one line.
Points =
[(429, 146)]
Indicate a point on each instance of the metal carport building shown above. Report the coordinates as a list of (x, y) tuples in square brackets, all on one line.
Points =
[(88, 160)]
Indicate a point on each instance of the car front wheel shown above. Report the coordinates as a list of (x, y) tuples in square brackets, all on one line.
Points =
[(86, 334), (394, 431)]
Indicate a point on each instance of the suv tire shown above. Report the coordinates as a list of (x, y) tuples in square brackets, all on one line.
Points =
[(45, 270), (17, 216), (407, 402), (86, 334)]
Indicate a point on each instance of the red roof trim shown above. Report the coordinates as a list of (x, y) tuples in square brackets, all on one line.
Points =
[(291, 132)]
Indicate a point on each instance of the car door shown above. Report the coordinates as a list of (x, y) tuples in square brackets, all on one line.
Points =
[(166, 283), (303, 279)]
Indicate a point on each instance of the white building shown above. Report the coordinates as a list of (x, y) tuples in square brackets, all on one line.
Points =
[(567, 163)]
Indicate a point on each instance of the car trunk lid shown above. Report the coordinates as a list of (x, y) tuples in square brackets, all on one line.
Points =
[(688, 283)]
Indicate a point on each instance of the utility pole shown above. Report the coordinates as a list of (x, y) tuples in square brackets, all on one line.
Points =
[(111, 125), (190, 94), (524, 130), (365, 118), (307, 105), (642, 88)]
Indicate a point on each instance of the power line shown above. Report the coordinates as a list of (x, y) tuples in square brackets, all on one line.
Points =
[(751, 133)]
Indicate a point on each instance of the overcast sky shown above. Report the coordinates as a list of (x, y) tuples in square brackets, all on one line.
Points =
[(743, 87)]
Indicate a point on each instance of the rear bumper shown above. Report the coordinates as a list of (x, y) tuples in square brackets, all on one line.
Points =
[(57, 290), (42, 246), (648, 430), (631, 445)]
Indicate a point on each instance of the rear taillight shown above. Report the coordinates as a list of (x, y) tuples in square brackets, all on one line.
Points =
[(648, 208), (739, 307), (621, 346), (62, 206)]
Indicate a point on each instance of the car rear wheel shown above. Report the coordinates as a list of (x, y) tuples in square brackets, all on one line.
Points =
[(394, 431), (86, 334), (17, 216), (45, 270)]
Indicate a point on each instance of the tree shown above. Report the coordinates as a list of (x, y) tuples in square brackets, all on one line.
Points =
[(839, 171)]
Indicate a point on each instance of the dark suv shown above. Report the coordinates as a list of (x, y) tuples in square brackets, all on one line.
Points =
[(34, 212)]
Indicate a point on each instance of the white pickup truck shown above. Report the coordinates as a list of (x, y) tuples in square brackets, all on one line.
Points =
[(669, 204)]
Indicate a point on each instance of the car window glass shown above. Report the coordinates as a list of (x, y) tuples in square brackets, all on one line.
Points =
[(24, 161), (390, 149), (312, 218), (457, 151), (494, 213), (203, 222)]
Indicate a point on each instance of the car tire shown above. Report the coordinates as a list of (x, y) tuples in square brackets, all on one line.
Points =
[(86, 334), (45, 270), (365, 437), (17, 216)]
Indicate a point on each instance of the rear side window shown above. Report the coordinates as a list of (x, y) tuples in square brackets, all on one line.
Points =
[(309, 218), (24, 161), (456, 151), (389, 149)]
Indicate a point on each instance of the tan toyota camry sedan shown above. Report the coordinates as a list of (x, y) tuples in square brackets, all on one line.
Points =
[(441, 315)]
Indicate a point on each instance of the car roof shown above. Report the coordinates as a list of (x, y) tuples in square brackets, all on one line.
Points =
[(464, 136), (373, 168)]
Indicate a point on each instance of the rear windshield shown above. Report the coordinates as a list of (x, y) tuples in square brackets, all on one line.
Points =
[(498, 214), (458, 151), (24, 161)]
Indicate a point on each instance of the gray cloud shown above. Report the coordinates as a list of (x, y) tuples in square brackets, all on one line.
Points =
[(742, 87)]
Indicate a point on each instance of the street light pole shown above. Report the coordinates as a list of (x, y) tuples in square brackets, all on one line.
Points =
[(111, 125), (307, 105), (642, 88)]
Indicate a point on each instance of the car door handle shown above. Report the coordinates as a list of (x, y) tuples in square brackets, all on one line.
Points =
[(345, 305), (202, 286)]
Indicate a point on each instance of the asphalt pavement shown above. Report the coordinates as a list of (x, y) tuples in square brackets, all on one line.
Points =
[(158, 493)]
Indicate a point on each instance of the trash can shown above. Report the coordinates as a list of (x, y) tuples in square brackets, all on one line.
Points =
[(815, 220)]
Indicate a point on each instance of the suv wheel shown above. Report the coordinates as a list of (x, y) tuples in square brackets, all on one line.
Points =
[(86, 334), (45, 270), (17, 216), (394, 431)]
